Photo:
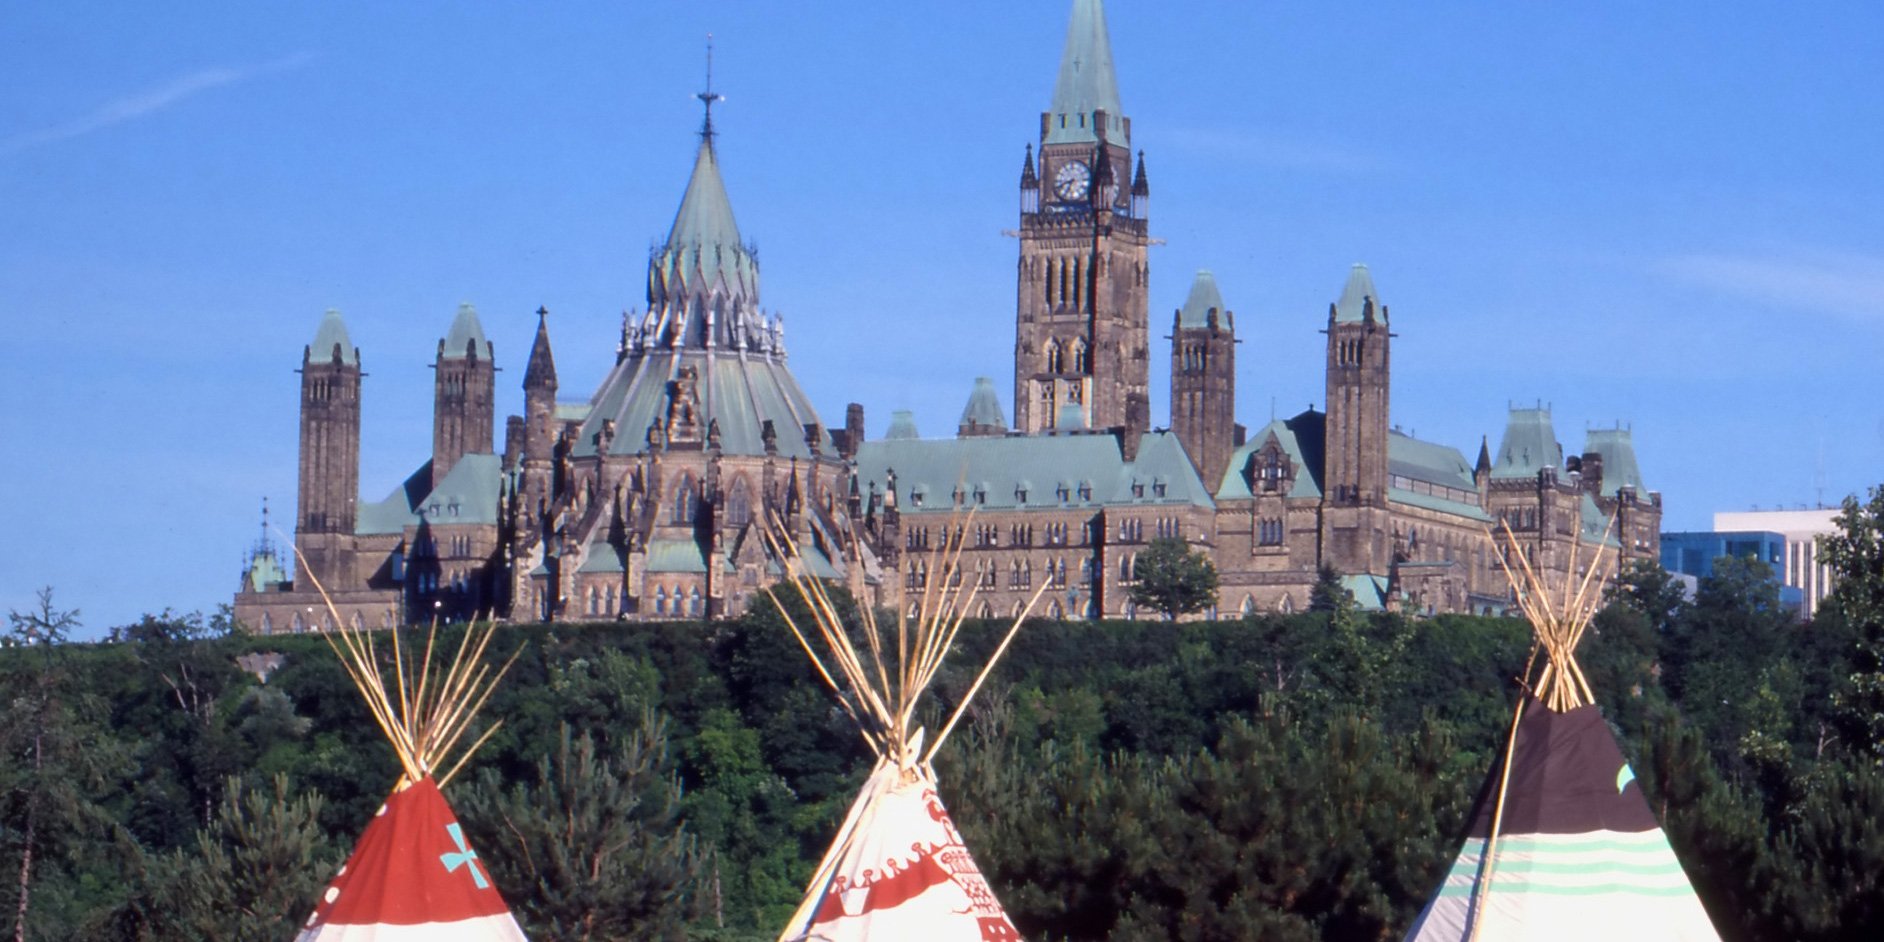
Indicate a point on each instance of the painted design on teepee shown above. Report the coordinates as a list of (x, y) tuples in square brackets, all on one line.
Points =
[(898, 868), (413, 877), (1559, 845)]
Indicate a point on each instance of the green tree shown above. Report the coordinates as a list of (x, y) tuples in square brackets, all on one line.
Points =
[(253, 874), (1855, 554), (43, 732), (593, 847), (1173, 578)]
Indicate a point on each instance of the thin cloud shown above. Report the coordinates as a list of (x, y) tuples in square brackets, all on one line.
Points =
[(150, 101), (1840, 285), (1271, 150)]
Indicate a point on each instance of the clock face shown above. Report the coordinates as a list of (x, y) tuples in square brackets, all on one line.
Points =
[(1071, 182)]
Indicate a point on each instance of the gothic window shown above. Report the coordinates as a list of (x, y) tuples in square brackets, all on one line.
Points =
[(1055, 357), (684, 501), (739, 504), (1082, 360), (268, 624), (660, 601), (987, 610), (693, 602), (299, 625)]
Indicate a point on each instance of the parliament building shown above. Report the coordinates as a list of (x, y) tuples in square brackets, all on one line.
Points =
[(643, 498)]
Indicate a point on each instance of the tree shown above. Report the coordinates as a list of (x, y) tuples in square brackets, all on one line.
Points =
[(1174, 579), (40, 737), (1855, 554), (253, 873), (594, 847)]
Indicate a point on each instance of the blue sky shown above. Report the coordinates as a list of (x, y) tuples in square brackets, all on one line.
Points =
[(1661, 214)]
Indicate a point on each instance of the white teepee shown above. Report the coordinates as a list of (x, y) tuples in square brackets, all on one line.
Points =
[(1563, 844), (898, 868)]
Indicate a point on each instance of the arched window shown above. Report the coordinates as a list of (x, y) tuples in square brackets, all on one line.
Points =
[(660, 600), (595, 601), (684, 500), (359, 624), (987, 610), (608, 600), (1082, 361), (1288, 605), (299, 626), (1056, 358), (693, 602), (268, 624), (739, 504)]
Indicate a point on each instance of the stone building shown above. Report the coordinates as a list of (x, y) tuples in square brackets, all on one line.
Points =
[(641, 500)]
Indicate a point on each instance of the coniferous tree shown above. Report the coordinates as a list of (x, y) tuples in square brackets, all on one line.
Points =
[(593, 847)]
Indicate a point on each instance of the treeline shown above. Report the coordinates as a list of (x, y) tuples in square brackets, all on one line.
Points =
[(1302, 777)]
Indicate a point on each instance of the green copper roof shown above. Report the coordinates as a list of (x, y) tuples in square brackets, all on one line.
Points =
[(1072, 415), (1300, 438), (265, 572), (466, 335), (1203, 299), (330, 339), (1017, 472), (675, 556), (1354, 297), (470, 494), (602, 557), (902, 425), (1529, 445), (1432, 476), (984, 406), (1617, 446), (1086, 81), (1596, 523), (706, 215), (1370, 592)]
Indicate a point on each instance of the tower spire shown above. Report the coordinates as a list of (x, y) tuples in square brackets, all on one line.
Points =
[(708, 96)]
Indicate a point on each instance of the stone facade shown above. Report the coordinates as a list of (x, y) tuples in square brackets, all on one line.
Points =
[(643, 501)]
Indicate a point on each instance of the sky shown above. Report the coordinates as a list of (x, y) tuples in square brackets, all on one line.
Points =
[(1665, 215)]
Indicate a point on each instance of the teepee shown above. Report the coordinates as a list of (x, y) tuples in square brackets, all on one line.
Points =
[(413, 877), (1562, 844), (898, 868)]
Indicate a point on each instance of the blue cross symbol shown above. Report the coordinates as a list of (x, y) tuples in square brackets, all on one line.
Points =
[(465, 857)]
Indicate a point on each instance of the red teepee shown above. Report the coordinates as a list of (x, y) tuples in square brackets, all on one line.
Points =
[(412, 877)]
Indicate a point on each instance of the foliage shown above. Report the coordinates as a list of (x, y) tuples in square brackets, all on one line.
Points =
[(592, 846), (1173, 579), (1273, 777), (251, 875)]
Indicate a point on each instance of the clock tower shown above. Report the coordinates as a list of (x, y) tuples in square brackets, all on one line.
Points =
[(1081, 338)]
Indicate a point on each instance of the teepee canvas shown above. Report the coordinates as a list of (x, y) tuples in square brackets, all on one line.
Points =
[(1562, 844), (898, 868), (413, 876)]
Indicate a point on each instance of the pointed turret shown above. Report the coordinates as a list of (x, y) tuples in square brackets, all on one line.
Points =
[(703, 282), (541, 372), (1141, 184), (982, 415), (1204, 307), (705, 217), (1359, 301), (1484, 465), (902, 426), (465, 339), (329, 486), (331, 343), (1203, 378), (1029, 179), (1086, 83), (464, 397)]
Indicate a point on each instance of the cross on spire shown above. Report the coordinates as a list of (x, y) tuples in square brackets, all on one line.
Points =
[(709, 96)]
